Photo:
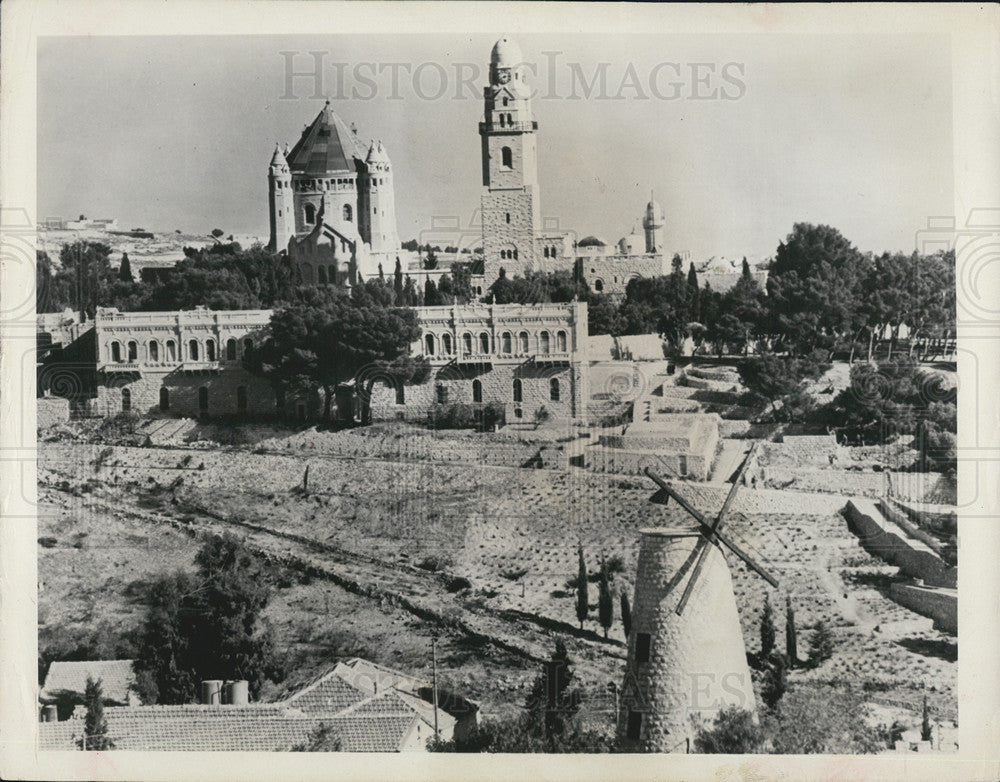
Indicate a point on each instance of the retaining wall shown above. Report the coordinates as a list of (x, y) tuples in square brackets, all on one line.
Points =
[(938, 604)]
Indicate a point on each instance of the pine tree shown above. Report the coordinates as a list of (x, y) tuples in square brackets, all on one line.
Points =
[(626, 615), (582, 606), (766, 629), (791, 642), (605, 603), (95, 724), (125, 269)]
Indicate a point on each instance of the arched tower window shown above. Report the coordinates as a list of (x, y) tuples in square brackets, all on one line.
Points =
[(133, 350), (193, 350), (429, 343), (522, 341), (126, 400), (348, 213), (154, 350), (507, 157), (171, 350), (554, 389), (210, 350), (477, 391), (116, 352), (164, 399), (446, 344), (484, 343), (507, 215), (310, 214), (230, 349), (467, 344), (561, 342), (543, 342), (518, 391), (505, 343)]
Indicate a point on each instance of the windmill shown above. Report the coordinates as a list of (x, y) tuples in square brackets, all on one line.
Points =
[(686, 658), (711, 532)]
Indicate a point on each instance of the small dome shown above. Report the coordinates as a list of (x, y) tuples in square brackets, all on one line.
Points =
[(506, 54), (654, 210)]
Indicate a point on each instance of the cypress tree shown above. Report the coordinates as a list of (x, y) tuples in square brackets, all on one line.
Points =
[(397, 283), (582, 606), (125, 269), (95, 724), (746, 269), (626, 615), (925, 724), (694, 302), (791, 642), (766, 629), (605, 604)]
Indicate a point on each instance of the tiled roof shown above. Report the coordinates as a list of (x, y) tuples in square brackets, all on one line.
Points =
[(329, 695), (223, 729), (70, 677), (372, 678), (326, 146)]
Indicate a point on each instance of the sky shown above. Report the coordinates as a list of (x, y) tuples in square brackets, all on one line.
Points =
[(738, 136)]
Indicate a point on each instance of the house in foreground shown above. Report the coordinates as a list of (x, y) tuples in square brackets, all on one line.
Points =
[(370, 708)]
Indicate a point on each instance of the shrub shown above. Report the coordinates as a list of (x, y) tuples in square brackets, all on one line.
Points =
[(733, 732)]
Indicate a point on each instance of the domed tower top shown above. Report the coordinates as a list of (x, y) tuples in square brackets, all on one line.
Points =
[(654, 215), (652, 223), (506, 53)]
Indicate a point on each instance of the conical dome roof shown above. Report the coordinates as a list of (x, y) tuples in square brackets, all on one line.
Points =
[(506, 53), (327, 146), (377, 153)]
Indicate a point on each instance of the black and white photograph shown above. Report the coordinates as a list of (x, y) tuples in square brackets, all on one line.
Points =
[(527, 386)]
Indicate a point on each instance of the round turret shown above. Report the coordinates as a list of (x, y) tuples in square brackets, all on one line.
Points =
[(654, 214)]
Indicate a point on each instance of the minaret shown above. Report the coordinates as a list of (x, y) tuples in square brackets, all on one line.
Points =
[(510, 205), (681, 669), (380, 223), (280, 202), (653, 223)]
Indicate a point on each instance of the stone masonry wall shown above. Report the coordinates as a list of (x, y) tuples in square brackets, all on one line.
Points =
[(183, 389), (940, 606)]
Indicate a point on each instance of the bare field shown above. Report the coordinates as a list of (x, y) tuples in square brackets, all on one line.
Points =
[(397, 549)]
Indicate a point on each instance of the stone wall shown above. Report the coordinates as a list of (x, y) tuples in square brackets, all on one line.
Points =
[(938, 604), (183, 390), (611, 273), (51, 410), (890, 542)]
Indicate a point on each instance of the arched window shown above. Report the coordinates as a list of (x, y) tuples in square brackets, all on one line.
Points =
[(554, 389), (126, 400), (210, 350), (247, 345), (510, 119), (400, 393), (503, 120), (203, 399), (321, 275), (598, 285), (133, 350), (467, 343), (241, 399), (442, 394), (515, 253), (543, 342), (171, 350), (522, 341), (561, 342), (348, 213), (154, 350), (507, 157), (429, 344), (484, 343), (505, 101), (310, 214), (507, 215), (193, 350), (505, 343), (164, 398), (517, 389), (545, 252), (230, 349), (446, 346), (477, 391)]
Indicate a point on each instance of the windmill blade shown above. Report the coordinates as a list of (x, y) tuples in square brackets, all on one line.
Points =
[(736, 485), (751, 563), (666, 487), (706, 546)]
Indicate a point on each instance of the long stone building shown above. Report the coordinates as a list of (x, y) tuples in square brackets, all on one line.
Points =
[(520, 357)]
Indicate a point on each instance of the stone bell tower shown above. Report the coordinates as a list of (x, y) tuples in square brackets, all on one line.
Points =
[(682, 668), (510, 206)]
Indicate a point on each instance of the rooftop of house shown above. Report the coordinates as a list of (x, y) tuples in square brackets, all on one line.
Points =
[(69, 679)]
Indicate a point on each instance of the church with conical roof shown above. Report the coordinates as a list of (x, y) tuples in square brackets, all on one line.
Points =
[(332, 203)]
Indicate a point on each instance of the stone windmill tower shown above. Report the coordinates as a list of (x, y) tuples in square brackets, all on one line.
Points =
[(686, 658)]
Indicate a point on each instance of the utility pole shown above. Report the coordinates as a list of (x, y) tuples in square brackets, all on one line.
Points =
[(434, 684)]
